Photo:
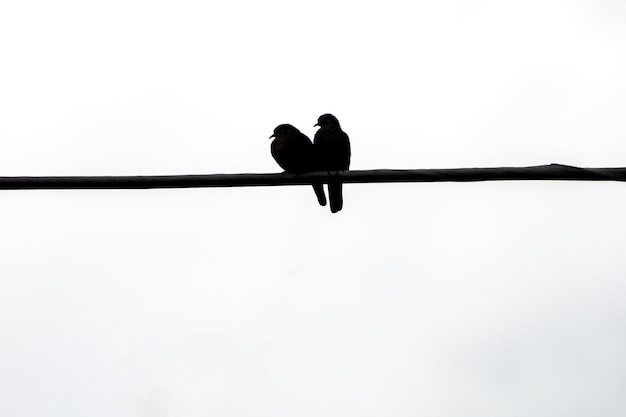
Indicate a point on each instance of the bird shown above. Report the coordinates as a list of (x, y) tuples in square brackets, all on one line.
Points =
[(294, 152), (332, 147)]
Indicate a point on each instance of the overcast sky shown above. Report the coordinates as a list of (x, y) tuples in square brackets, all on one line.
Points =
[(475, 299)]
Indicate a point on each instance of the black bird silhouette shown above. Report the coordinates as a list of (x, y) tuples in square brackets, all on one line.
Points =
[(295, 153), (332, 147)]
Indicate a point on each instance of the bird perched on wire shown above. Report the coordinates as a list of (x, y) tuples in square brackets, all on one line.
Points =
[(332, 147), (294, 152)]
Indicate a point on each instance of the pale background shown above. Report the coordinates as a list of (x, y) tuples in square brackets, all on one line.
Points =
[(474, 300)]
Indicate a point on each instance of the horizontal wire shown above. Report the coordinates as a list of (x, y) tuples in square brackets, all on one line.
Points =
[(552, 172)]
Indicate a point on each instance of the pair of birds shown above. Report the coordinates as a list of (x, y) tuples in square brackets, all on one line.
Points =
[(329, 151)]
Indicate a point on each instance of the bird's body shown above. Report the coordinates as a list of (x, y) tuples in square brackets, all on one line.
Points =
[(332, 147), (294, 152)]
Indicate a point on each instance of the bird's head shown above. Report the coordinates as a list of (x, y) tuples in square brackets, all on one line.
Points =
[(327, 120), (284, 129)]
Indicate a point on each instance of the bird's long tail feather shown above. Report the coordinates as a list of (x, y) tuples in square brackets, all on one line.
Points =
[(319, 192), (335, 195)]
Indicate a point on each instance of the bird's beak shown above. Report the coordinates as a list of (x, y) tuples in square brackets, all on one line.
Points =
[(316, 124), (272, 136)]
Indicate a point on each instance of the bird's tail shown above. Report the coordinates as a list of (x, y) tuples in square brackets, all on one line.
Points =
[(335, 194), (319, 192)]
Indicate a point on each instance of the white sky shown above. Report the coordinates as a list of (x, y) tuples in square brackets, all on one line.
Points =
[(492, 299)]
